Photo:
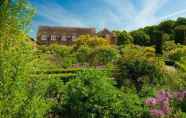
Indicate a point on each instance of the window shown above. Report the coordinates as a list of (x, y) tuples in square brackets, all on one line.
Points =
[(53, 37), (44, 37), (58, 37), (63, 38), (69, 38), (73, 38)]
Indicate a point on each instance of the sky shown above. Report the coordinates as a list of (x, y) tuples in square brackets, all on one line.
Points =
[(112, 14)]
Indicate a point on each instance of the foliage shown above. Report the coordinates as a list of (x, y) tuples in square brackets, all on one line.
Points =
[(19, 97), (104, 55), (168, 102), (180, 34), (141, 38), (93, 95), (167, 26), (37, 82), (135, 68), (83, 54), (92, 41), (123, 37), (177, 54), (63, 55)]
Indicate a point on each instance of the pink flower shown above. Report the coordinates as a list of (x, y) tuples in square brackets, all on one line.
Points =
[(164, 96), (157, 113), (165, 107), (180, 96), (151, 102), (162, 101)]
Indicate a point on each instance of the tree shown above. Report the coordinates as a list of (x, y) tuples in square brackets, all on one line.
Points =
[(137, 66), (158, 41), (63, 55), (20, 95), (167, 26), (83, 54), (123, 37), (181, 21), (180, 36), (104, 55), (140, 38), (91, 41)]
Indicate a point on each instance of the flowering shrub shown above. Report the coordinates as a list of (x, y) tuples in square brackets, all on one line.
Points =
[(160, 105)]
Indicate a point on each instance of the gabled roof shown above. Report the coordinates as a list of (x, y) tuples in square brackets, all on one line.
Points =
[(104, 32), (80, 30)]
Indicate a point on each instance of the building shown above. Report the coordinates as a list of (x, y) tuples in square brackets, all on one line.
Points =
[(67, 35), (61, 35), (105, 33)]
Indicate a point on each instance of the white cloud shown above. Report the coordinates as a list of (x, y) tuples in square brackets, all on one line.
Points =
[(57, 15), (147, 16), (113, 14), (173, 15)]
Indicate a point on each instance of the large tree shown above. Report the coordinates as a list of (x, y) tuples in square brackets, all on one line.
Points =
[(123, 37), (140, 37), (21, 96)]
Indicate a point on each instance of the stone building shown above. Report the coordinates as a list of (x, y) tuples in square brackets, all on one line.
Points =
[(105, 33), (61, 35), (67, 35)]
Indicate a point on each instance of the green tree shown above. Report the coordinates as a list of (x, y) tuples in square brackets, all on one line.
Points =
[(167, 26), (140, 38), (83, 54), (181, 21), (104, 55), (180, 36), (92, 95), (158, 41), (137, 66), (19, 97), (123, 37), (63, 55)]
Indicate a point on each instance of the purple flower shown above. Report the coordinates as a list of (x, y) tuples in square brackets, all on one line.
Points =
[(151, 102), (165, 107), (157, 113), (162, 101), (180, 95)]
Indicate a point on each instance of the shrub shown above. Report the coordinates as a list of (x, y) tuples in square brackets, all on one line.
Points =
[(63, 55), (141, 38), (123, 37), (104, 55), (168, 102), (93, 95), (92, 41), (83, 54), (137, 66), (177, 54)]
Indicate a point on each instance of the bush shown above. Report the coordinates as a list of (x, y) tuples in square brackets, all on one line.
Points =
[(83, 54), (104, 55), (63, 55), (177, 54), (137, 66), (123, 37), (141, 38), (92, 95), (91, 41)]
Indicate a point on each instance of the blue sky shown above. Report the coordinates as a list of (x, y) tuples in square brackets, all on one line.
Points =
[(111, 14)]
